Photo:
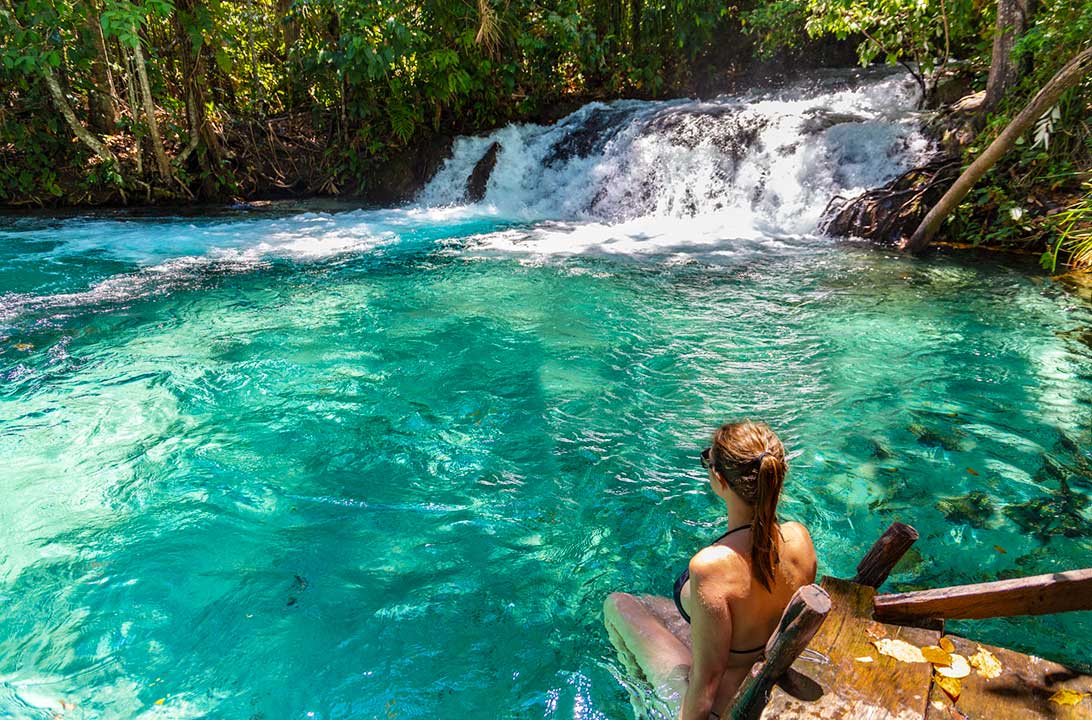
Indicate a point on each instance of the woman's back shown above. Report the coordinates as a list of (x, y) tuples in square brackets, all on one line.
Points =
[(755, 609)]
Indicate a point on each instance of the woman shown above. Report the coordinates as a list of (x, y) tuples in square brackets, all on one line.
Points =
[(730, 598)]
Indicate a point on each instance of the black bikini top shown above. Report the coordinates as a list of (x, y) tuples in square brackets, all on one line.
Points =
[(685, 575)]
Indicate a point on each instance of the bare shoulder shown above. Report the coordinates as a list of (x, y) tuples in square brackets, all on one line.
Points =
[(795, 532), (720, 567), (799, 550)]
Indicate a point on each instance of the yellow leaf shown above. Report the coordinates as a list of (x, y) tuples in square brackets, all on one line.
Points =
[(160, 701), (1067, 697), (24, 347), (947, 645), (949, 685), (959, 668), (899, 649), (936, 655), (863, 659), (986, 663)]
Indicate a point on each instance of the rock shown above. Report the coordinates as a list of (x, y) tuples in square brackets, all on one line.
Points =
[(478, 181), (933, 438), (975, 509)]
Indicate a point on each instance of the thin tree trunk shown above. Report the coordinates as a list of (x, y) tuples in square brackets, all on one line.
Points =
[(103, 105), (160, 154), (85, 136), (1066, 78), (131, 88), (1012, 18)]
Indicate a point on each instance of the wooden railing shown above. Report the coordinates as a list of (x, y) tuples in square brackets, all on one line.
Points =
[(1036, 595), (804, 614)]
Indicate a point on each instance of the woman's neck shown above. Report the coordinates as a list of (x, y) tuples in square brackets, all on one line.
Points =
[(739, 513)]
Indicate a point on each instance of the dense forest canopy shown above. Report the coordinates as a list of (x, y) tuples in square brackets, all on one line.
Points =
[(123, 101)]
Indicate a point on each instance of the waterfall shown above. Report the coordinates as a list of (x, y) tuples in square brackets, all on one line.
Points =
[(765, 162)]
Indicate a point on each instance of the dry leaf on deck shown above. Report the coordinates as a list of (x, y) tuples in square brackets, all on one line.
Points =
[(1067, 697), (899, 649), (947, 644), (937, 655), (959, 668), (864, 659), (986, 663), (875, 631), (950, 685)]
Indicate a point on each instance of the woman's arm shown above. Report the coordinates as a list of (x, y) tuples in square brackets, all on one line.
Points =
[(710, 630)]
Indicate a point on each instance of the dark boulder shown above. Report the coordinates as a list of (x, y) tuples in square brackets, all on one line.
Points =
[(478, 181)]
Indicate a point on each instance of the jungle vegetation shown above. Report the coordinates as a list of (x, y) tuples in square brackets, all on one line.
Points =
[(139, 101)]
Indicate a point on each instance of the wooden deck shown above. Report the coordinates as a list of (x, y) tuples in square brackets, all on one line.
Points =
[(843, 685)]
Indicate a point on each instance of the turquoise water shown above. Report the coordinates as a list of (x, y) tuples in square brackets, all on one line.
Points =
[(367, 464)]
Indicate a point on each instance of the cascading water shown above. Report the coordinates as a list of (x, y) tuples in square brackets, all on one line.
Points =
[(764, 164)]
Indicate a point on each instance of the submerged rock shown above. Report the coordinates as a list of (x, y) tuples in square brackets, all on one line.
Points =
[(1057, 514), (934, 438), (975, 509)]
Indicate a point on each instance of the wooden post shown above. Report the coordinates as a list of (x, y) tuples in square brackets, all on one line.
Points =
[(885, 553), (802, 617), (1035, 595)]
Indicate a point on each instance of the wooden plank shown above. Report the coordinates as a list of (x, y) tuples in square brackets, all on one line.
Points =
[(805, 612), (1022, 690), (1036, 595), (885, 554), (840, 686)]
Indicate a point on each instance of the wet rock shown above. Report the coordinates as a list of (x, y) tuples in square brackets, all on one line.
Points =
[(478, 181), (930, 437), (590, 136), (1056, 514), (975, 509), (820, 120)]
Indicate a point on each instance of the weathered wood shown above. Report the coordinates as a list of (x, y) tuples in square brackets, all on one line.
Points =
[(1023, 689), (1036, 595), (885, 554), (880, 688), (805, 612)]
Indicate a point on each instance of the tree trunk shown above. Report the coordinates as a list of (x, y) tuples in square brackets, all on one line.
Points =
[(1012, 19), (1066, 78), (204, 140), (103, 104), (635, 26), (66, 111), (160, 154)]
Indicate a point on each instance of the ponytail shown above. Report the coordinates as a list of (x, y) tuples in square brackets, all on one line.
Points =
[(752, 459), (764, 555)]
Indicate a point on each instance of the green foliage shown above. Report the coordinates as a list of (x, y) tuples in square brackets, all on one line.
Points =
[(920, 34), (1074, 229)]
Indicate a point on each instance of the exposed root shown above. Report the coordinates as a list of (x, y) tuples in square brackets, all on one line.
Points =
[(889, 213)]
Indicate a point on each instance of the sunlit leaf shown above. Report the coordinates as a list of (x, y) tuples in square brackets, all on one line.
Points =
[(899, 649), (959, 668), (937, 655), (947, 644), (1067, 697), (986, 663), (950, 685)]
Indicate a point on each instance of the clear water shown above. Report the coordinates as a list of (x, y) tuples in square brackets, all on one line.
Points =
[(383, 463)]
